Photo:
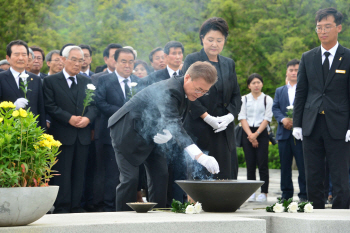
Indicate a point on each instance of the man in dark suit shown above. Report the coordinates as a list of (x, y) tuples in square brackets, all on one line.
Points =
[(113, 91), (38, 61), (135, 130), (99, 163), (156, 57), (287, 144), (10, 82), (64, 94), (321, 112), (85, 68)]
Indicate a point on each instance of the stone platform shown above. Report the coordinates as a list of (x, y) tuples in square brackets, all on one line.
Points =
[(153, 222)]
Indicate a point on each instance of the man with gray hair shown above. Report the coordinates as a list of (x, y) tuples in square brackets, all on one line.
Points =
[(54, 62), (64, 94), (4, 65)]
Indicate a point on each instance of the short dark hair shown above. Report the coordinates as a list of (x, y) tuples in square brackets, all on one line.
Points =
[(215, 24), (122, 50), (64, 46), (85, 46), (323, 13), (100, 68), (150, 56), (253, 76), (38, 49), (140, 62), (293, 62), (111, 46), (15, 42), (173, 44)]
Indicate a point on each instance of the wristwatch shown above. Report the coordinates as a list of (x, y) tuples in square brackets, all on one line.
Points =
[(258, 132)]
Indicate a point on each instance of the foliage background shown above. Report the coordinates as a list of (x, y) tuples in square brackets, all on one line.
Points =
[(264, 34)]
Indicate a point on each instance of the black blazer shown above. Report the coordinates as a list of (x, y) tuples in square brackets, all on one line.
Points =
[(231, 97), (109, 99), (61, 105), (154, 77), (42, 75), (157, 107), (334, 94), (9, 91), (91, 73)]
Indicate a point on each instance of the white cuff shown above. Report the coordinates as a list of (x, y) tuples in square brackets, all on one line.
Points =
[(193, 151)]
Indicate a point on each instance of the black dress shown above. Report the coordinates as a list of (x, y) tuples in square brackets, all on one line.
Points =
[(224, 97)]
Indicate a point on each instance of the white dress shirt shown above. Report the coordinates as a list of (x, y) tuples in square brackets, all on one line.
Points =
[(109, 71), (171, 72), (332, 52), (87, 72), (121, 82), (66, 75), (253, 110), (16, 75), (291, 93)]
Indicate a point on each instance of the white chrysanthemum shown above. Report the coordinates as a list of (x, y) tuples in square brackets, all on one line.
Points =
[(198, 207), (308, 208), (278, 208), (91, 87), (290, 107), (24, 76), (293, 207), (133, 84), (190, 209)]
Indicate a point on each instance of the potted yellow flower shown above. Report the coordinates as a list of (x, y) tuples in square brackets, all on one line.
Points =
[(27, 156)]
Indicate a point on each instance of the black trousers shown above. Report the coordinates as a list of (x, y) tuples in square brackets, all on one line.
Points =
[(99, 176), (157, 178), (111, 178), (318, 146), (287, 149), (257, 156), (71, 167)]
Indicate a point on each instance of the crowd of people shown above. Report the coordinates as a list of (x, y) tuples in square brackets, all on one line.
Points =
[(173, 120)]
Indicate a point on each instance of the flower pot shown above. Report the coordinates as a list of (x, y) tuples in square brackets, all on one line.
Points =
[(23, 205)]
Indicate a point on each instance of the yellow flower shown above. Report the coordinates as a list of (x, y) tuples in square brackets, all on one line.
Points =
[(23, 113), (4, 104), (11, 105), (1, 119), (56, 143), (15, 113)]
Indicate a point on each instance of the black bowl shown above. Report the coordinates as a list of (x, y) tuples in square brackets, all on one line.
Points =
[(220, 195), (141, 207)]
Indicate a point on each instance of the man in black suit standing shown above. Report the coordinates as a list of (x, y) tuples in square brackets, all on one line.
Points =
[(85, 68), (38, 61), (321, 111), (11, 80), (64, 94), (113, 91)]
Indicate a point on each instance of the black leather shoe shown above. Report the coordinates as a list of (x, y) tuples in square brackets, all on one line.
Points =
[(302, 199), (78, 210)]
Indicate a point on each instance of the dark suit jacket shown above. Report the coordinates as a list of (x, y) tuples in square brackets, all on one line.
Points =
[(231, 97), (157, 107), (154, 77), (279, 109), (1, 70), (42, 75), (61, 105), (91, 73), (9, 91), (109, 99), (311, 92)]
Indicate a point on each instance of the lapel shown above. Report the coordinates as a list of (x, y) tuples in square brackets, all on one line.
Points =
[(166, 74), (318, 65), (64, 85), (12, 83), (81, 89), (335, 64), (115, 83), (204, 57), (31, 86), (285, 94)]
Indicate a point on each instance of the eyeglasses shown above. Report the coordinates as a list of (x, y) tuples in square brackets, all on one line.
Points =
[(199, 91), (56, 60), (74, 60), (129, 62), (326, 29), (38, 58), (87, 56)]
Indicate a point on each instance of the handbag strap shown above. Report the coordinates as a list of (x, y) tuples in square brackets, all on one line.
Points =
[(268, 125)]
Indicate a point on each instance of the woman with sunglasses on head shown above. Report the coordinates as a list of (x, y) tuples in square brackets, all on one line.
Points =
[(210, 118)]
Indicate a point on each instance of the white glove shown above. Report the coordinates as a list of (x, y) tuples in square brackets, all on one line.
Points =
[(161, 138), (212, 121), (297, 133), (21, 103), (347, 137), (224, 122), (210, 163)]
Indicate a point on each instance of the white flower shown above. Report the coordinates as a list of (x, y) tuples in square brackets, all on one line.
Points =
[(24, 76), (133, 84), (198, 207), (290, 107), (91, 87), (190, 209), (293, 207), (278, 208), (308, 208)]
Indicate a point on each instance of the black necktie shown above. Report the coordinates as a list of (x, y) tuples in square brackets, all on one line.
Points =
[(73, 87), (174, 74), (127, 90), (326, 67), (21, 84)]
